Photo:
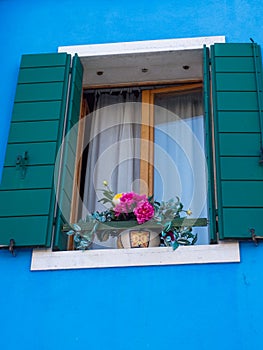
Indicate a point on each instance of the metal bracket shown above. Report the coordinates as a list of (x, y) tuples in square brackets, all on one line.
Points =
[(21, 163), (254, 237), (11, 247)]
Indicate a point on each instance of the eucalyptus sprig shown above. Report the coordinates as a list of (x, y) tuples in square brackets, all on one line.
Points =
[(166, 214), (83, 238)]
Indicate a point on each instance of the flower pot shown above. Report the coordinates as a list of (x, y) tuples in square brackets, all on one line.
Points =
[(138, 238)]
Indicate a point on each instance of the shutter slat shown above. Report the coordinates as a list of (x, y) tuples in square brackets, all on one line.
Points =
[(240, 168), (41, 75), (26, 111), (26, 230), (233, 50), (36, 177), (245, 219), (25, 202), (39, 153), (238, 121), (239, 144), (237, 81), (245, 194), (237, 101), (39, 92), (34, 131), (234, 64), (44, 60)]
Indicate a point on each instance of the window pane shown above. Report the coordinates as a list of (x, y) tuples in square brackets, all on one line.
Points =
[(179, 158)]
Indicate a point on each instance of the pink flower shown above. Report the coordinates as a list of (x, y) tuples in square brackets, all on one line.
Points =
[(127, 202), (144, 211)]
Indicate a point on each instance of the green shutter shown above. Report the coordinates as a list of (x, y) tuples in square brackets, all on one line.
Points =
[(209, 142), (237, 108), (27, 200), (69, 154)]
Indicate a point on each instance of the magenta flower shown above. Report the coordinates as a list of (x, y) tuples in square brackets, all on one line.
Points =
[(144, 211), (128, 202)]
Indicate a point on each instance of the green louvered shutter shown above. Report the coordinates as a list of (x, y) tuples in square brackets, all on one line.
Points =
[(209, 142), (69, 155), (237, 108), (27, 198)]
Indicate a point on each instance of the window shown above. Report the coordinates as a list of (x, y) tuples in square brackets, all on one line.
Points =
[(237, 120)]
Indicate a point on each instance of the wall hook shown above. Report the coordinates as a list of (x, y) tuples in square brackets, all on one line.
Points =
[(11, 247)]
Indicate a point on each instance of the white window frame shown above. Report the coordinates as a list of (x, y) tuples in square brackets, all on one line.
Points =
[(46, 259)]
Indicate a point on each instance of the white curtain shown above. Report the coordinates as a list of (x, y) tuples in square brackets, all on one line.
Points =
[(180, 163), (114, 147)]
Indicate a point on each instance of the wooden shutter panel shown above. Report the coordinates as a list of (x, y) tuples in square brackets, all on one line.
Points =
[(66, 191), (27, 199), (237, 107)]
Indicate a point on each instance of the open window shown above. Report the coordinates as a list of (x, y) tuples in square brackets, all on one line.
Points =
[(50, 89), (146, 139)]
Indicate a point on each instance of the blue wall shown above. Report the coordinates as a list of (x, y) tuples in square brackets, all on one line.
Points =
[(184, 307)]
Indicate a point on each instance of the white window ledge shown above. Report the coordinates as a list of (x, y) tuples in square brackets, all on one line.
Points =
[(45, 259)]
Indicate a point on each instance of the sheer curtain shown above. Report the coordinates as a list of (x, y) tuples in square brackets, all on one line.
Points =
[(180, 164), (113, 147)]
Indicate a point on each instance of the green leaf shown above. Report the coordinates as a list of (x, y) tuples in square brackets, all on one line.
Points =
[(76, 227), (70, 233), (194, 240), (167, 227), (175, 245), (105, 200), (108, 195), (183, 241), (150, 198)]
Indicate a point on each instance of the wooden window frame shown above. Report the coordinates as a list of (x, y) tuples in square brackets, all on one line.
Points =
[(147, 131)]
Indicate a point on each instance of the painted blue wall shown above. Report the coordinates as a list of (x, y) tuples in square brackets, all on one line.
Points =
[(184, 307)]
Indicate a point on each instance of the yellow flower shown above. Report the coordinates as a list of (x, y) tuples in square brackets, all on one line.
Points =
[(189, 212), (116, 198), (105, 183)]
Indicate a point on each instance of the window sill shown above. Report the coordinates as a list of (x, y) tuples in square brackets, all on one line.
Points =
[(45, 259)]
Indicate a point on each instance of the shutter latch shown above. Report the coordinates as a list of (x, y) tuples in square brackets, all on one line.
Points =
[(21, 163), (261, 156)]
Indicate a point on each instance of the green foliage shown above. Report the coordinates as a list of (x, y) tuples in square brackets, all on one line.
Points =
[(107, 193), (172, 234), (166, 214)]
